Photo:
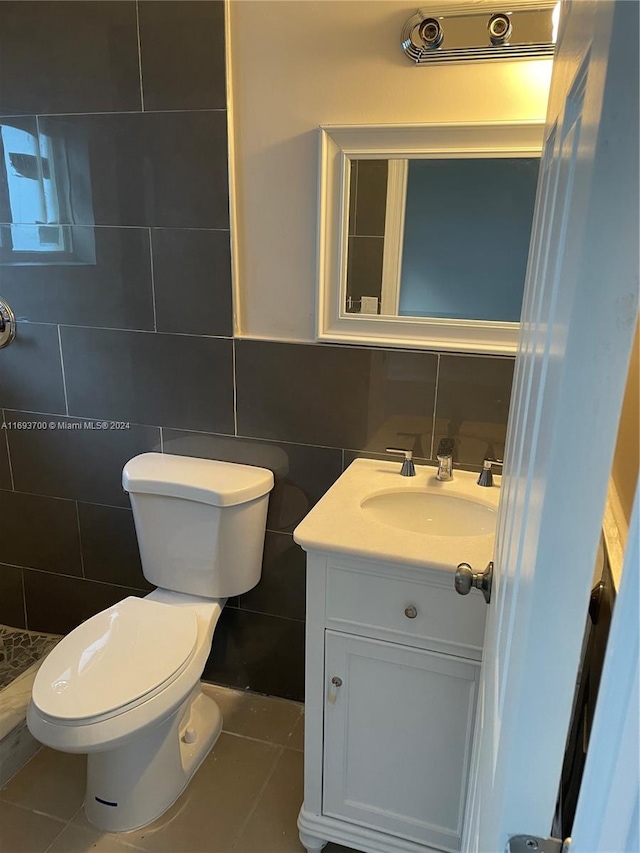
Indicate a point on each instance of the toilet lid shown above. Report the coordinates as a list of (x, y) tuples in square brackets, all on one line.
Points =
[(115, 658)]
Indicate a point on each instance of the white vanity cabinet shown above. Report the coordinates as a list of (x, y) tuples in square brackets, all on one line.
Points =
[(393, 659)]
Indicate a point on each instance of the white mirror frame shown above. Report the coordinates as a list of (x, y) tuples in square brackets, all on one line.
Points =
[(339, 144)]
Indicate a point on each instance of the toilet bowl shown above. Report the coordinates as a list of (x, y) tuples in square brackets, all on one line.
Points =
[(124, 687)]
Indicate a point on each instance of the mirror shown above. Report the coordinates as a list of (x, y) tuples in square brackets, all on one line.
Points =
[(424, 234), (44, 189), (406, 218)]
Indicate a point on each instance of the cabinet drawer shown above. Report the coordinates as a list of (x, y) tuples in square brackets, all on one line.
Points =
[(429, 615)]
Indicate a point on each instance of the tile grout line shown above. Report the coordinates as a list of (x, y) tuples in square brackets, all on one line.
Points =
[(64, 378), (299, 722), (139, 55), (64, 829), (6, 440), (112, 113), (161, 439), (131, 330), (153, 282), (259, 796), (259, 439), (270, 615), (80, 541), (288, 533), (24, 600), (235, 388), (260, 740), (13, 776), (58, 498), (28, 809), (368, 236), (96, 225), (71, 825), (435, 407), (102, 418), (87, 580)]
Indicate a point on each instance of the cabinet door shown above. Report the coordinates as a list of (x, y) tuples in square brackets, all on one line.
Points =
[(397, 738)]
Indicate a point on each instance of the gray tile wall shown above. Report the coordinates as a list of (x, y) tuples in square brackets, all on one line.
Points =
[(141, 336)]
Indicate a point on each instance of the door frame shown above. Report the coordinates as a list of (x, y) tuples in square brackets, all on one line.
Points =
[(608, 812)]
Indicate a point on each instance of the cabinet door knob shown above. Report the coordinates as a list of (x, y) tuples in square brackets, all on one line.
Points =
[(336, 682), (411, 612)]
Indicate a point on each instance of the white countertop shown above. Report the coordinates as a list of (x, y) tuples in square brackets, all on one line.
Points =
[(338, 523)]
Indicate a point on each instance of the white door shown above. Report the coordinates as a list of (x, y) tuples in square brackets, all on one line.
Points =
[(579, 314)]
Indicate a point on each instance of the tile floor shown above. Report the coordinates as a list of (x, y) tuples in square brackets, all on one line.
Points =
[(244, 798)]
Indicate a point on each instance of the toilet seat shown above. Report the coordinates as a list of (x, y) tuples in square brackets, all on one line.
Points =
[(114, 661)]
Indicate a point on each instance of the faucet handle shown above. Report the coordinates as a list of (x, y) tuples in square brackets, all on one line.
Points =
[(408, 454), (408, 468), (486, 475)]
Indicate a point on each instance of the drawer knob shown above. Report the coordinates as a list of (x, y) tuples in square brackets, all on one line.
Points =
[(411, 612)]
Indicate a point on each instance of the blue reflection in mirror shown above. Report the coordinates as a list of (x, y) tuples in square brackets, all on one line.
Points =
[(466, 237), (39, 172)]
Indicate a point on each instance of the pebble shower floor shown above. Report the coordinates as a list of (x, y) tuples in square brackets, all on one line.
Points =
[(19, 650)]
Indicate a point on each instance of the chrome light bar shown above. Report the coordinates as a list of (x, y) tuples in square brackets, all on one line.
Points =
[(484, 31)]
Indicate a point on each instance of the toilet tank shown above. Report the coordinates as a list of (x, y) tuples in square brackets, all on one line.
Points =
[(200, 523)]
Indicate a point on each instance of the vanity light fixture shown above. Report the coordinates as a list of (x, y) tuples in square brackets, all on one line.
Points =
[(526, 28), (430, 31), (500, 28)]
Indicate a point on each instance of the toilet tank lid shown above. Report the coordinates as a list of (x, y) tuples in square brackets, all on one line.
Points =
[(207, 481)]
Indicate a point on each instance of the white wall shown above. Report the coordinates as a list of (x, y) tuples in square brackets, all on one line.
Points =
[(298, 64)]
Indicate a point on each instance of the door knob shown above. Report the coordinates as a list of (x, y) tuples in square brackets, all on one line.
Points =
[(7, 324), (466, 578)]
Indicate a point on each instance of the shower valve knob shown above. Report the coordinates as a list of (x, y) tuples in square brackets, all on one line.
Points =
[(7, 324)]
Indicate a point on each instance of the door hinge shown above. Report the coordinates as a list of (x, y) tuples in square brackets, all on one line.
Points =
[(533, 844)]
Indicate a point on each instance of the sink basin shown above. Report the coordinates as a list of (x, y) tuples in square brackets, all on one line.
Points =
[(431, 514), (372, 512)]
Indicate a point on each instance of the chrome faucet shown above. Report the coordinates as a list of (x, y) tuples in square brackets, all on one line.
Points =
[(445, 459), (408, 468), (486, 475)]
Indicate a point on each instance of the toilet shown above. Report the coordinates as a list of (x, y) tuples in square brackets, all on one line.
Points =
[(124, 687)]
